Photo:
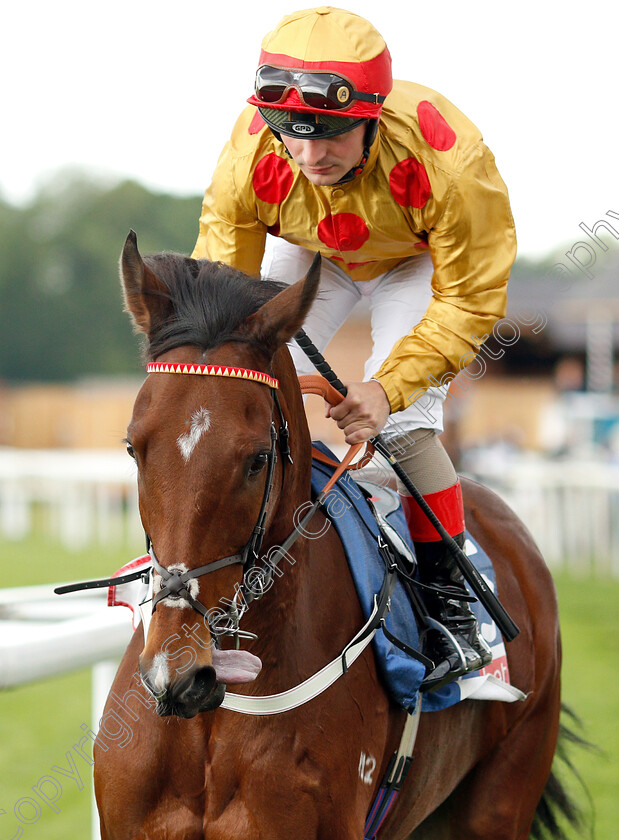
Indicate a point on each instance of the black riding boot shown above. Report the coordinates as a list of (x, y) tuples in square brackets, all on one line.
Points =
[(466, 650)]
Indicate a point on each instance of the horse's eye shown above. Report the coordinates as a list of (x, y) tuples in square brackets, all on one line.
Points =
[(130, 450), (258, 464)]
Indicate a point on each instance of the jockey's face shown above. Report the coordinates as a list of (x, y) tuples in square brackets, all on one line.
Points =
[(324, 162)]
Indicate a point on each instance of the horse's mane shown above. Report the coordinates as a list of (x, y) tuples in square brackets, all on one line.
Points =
[(208, 302)]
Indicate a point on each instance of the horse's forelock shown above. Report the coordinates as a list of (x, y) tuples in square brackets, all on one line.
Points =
[(209, 302)]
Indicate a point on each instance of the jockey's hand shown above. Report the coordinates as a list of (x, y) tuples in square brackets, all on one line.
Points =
[(362, 413)]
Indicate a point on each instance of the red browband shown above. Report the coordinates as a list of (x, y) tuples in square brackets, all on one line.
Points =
[(213, 370)]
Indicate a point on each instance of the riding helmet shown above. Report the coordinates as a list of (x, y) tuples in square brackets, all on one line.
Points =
[(321, 73)]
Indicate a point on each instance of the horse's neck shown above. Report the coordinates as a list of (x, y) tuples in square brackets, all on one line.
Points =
[(312, 579), (310, 591)]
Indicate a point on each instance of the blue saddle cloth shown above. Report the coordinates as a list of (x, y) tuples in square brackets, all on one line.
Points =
[(352, 518)]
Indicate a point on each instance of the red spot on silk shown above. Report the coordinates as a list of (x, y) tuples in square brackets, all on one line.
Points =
[(272, 179), (343, 232), (409, 183), (435, 129)]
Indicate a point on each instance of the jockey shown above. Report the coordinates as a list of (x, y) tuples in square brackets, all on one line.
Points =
[(396, 189)]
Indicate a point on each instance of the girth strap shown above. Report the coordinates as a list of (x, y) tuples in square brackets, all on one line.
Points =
[(395, 774)]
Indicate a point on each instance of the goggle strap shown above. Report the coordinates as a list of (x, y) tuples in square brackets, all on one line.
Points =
[(376, 98)]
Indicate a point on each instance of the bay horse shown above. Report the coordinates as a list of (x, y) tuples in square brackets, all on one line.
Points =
[(187, 769)]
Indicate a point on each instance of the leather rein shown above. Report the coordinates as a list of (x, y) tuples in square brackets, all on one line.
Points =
[(175, 582), (256, 578)]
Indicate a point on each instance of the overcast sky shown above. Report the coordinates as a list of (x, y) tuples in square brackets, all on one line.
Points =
[(151, 91)]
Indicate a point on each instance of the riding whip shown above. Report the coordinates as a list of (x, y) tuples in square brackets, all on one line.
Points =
[(479, 586)]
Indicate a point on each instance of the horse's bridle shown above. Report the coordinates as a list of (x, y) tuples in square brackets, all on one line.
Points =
[(174, 581), (256, 579)]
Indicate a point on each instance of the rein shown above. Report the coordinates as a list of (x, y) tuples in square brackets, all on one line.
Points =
[(174, 582), (256, 579), (175, 585)]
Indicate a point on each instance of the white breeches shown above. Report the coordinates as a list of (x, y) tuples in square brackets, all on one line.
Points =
[(397, 301)]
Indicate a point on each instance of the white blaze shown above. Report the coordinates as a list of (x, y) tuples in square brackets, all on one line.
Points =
[(159, 674), (200, 423)]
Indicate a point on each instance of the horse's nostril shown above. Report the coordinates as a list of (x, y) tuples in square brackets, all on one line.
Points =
[(197, 693), (204, 681)]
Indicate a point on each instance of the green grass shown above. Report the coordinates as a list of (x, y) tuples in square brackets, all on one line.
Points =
[(39, 723), (588, 610), (40, 560)]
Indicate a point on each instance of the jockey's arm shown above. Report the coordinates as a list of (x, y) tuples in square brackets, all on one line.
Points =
[(473, 247)]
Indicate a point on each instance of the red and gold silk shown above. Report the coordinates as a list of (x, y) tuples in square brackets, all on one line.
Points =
[(430, 183)]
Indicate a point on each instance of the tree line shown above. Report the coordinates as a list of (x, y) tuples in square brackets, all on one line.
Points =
[(61, 312)]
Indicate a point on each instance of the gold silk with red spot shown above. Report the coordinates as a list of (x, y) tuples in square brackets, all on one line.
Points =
[(430, 184)]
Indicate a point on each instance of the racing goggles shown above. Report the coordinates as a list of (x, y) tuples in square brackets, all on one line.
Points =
[(321, 91)]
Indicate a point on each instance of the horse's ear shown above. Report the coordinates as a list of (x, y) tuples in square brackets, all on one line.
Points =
[(278, 320), (146, 298)]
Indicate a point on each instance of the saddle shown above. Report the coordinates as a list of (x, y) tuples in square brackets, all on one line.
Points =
[(365, 515)]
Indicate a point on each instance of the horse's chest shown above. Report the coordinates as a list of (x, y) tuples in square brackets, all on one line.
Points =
[(283, 787)]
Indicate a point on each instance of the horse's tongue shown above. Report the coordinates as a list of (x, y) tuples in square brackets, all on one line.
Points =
[(235, 666)]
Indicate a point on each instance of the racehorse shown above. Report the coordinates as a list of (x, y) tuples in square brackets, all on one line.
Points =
[(209, 481)]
